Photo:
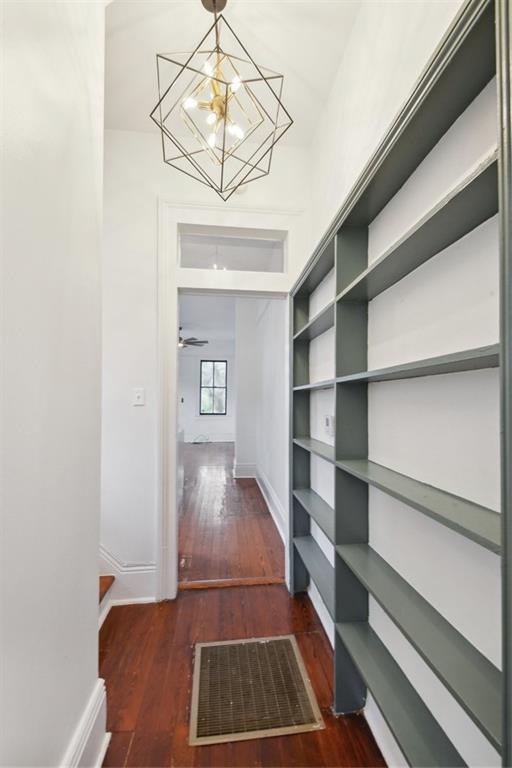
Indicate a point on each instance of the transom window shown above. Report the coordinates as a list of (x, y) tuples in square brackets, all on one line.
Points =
[(213, 388)]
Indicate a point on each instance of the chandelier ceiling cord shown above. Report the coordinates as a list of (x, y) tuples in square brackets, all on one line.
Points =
[(219, 113)]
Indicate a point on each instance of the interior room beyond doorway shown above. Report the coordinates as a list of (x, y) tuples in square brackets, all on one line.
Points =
[(232, 430)]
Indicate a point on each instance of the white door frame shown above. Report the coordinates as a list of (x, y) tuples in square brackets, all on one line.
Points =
[(170, 280)]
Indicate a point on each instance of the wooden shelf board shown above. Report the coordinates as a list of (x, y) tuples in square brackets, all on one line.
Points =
[(317, 509), (327, 384), (324, 450), (471, 203), (319, 569), (455, 362), (419, 735), (471, 678), (477, 523), (318, 270), (317, 325)]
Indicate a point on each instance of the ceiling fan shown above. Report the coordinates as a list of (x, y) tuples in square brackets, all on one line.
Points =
[(190, 342)]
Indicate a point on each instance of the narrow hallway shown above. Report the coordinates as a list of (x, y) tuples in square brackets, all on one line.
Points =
[(225, 530), (146, 658)]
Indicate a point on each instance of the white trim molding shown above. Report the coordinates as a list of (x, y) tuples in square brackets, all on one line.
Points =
[(90, 740), (124, 567), (274, 505), (244, 470), (133, 581)]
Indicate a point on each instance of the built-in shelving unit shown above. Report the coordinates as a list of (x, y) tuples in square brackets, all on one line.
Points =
[(461, 67)]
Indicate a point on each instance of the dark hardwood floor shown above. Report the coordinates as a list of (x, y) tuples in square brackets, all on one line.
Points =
[(146, 654), (225, 528)]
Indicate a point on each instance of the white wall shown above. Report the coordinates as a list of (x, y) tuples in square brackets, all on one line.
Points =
[(50, 406), (212, 429), (390, 43), (273, 411), (262, 401), (247, 371), (135, 180)]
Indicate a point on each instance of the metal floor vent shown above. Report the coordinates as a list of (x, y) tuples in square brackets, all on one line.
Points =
[(250, 689)]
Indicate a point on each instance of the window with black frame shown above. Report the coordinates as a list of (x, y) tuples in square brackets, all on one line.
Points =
[(213, 388)]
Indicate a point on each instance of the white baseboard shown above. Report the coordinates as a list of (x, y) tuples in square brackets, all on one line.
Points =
[(90, 740), (132, 580), (108, 602), (225, 437), (381, 733), (244, 470), (274, 505)]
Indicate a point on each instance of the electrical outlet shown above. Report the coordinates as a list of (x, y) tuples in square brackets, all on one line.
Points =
[(138, 396), (330, 425)]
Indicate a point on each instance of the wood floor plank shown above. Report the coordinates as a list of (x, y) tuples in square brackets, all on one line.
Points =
[(118, 749), (225, 528)]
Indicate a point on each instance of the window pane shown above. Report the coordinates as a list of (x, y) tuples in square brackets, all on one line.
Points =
[(207, 400), (206, 374), (220, 374), (219, 400)]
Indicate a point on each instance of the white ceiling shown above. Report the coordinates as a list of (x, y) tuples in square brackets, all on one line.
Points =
[(302, 39), (208, 317)]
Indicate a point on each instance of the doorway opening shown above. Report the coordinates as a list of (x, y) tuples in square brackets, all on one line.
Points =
[(232, 427)]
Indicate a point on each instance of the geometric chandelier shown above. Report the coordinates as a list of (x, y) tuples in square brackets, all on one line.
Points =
[(220, 114)]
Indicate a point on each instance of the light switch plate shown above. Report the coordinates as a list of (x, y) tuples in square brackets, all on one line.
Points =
[(138, 396), (330, 425)]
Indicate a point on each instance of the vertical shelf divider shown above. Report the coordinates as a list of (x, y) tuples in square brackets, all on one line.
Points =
[(351, 498)]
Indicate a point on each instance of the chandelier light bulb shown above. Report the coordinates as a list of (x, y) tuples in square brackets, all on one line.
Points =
[(211, 118), (235, 84), (236, 131), (190, 103), (208, 68)]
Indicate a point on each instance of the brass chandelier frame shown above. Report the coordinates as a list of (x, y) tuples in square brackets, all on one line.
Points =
[(258, 162)]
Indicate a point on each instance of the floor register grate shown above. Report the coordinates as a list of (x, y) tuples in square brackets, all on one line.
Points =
[(250, 689)]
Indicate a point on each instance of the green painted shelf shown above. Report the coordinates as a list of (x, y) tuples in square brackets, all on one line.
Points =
[(317, 509), (472, 679), (471, 203), (324, 450), (455, 362), (477, 523), (319, 569), (317, 325), (419, 735), (327, 384), (318, 270)]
